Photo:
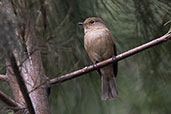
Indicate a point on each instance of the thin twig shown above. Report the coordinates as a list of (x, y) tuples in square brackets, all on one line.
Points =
[(8, 101), (59, 79)]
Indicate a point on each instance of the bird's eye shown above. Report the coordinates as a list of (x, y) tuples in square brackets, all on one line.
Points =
[(91, 22)]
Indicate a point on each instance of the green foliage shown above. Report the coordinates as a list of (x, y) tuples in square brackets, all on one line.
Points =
[(143, 80)]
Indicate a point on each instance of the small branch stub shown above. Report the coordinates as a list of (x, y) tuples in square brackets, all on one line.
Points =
[(4, 77)]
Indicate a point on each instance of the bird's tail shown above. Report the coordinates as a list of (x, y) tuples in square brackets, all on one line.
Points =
[(109, 89)]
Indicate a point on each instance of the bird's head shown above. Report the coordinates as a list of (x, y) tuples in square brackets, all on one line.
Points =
[(92, 23)]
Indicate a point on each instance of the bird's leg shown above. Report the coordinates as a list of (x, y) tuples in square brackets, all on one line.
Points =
[(95, 65), (114, 59)]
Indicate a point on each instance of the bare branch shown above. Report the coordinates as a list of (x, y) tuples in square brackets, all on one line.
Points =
[(4, 77), (110, 60), (7, 100)]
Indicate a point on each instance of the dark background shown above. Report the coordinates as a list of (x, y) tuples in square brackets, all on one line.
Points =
[(144, 80)]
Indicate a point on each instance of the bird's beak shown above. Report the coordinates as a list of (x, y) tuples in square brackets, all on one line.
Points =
[(80, 23)]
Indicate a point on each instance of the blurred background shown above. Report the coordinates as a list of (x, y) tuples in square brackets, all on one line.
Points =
[(144, 80)]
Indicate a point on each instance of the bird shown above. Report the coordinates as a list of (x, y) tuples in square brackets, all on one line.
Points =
[(99, 44)]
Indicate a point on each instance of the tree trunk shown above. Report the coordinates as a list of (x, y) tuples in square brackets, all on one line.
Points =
[(30, 67)]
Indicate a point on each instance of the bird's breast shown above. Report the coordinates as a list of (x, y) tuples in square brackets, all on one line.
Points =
[(98, 44)]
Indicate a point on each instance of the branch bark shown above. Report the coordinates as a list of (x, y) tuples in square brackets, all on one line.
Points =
[(22, 85), (124, 55)]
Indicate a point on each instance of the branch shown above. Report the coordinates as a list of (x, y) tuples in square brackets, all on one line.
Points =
[(110, 60), (21, 84), (4, 77), (8, 101)]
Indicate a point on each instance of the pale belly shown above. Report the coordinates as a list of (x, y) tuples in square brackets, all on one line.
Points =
[(99, 45)]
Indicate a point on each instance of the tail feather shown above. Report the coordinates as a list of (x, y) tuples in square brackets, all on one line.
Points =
[(109, 89)]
